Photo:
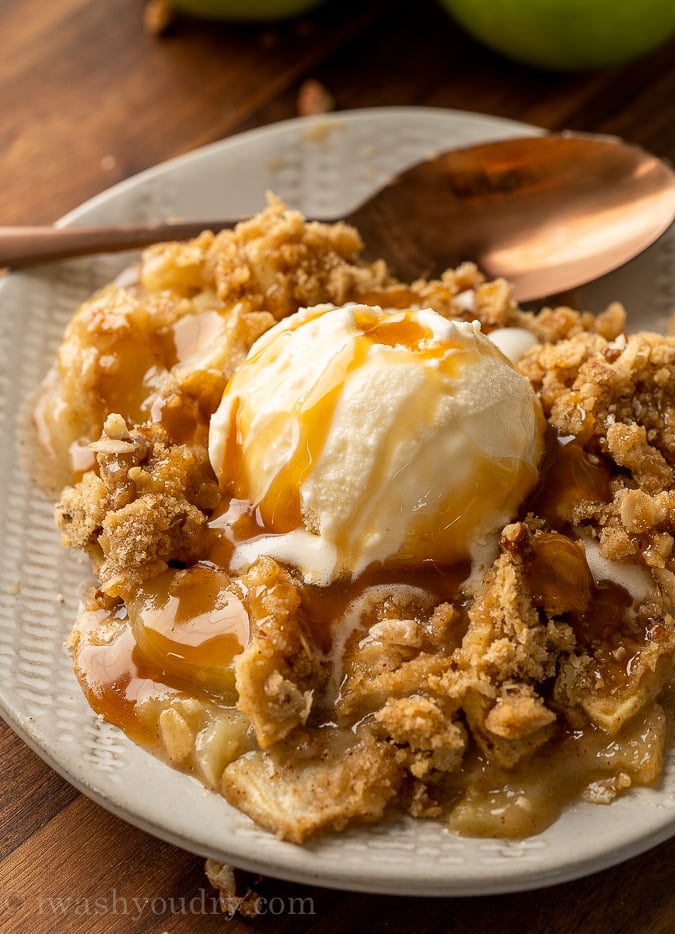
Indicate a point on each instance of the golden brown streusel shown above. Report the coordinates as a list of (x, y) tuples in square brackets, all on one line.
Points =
[(532, 681)]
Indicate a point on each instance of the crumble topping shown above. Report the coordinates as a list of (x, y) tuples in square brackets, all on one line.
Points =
[(486, 697)]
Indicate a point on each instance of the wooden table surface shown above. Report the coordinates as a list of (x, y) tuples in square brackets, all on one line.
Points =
[(88, 97)]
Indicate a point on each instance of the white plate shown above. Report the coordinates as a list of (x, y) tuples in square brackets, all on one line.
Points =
[(323, 166)]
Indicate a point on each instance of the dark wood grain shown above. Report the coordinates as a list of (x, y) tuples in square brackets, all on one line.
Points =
[(87, 98)]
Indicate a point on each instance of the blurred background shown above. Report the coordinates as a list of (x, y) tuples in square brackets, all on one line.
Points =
[(93, 92)]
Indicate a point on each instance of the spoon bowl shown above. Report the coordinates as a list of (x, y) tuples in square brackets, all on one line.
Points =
[(548, 213)]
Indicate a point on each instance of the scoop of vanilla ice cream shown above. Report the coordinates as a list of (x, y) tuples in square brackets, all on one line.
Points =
[(363, 435)]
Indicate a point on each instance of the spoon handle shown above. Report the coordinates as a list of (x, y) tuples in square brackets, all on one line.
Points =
[(25, 246)]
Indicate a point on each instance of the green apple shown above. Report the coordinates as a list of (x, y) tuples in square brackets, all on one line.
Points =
[(244, 9), (567, 34)]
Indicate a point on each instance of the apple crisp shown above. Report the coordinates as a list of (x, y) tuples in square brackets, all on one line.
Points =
[(488, 692)]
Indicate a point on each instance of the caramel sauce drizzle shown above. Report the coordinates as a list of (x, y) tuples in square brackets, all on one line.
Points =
[(114, 676), (279, 506), (178, 638)]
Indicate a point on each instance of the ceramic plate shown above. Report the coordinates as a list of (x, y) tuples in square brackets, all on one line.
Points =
[(323, 166)]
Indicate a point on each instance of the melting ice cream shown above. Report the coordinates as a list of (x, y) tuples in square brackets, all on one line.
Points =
[(361, 435)]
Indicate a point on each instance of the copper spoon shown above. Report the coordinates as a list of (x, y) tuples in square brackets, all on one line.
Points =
[(547, 212)]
